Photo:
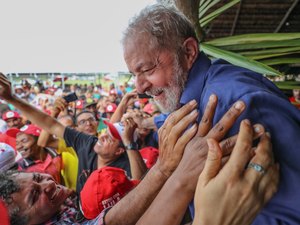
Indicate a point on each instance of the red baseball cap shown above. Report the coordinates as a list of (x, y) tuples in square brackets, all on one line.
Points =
[(111, 108), (79, 104), (10, 114), (27, 129), (149, 155), (104, 188), (114, 129)]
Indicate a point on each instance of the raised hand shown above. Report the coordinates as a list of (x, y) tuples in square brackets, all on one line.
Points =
[(60, 105), (233, 195), (129, 128), (174, 136), (5, 88)]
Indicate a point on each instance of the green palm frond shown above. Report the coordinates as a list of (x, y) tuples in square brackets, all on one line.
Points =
[(238, 60)]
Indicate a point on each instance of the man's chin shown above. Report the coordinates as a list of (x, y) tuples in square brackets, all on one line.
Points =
[(164, 107)]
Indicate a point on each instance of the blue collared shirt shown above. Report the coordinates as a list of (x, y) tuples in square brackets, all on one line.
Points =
[(265, 104)]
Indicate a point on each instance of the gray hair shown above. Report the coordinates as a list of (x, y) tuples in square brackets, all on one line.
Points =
[(164, 26), (8, 186)]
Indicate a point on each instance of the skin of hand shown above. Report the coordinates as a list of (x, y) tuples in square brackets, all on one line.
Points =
[(5, 89), (136, 115), (129, 98), (233, 195), (173, 138), (129, 128), (60, 105)]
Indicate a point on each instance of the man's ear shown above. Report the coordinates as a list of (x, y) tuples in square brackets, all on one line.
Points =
[(120, 151), (191, 50)]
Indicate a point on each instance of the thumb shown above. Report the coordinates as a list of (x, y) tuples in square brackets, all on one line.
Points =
[(213, 161)]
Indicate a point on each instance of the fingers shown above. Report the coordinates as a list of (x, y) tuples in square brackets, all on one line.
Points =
[(171, 132), (179, 114), (185, 138), (213, 162), (207, 118), (228, 144), (227, 121), (262, 160), (268, 185), (242, 151)]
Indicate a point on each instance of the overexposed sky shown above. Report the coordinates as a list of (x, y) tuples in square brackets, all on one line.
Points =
[(64, 35)]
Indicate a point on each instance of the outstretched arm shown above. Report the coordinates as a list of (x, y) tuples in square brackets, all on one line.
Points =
[(36, 116), (137, 165), (128, 99), (130, 208)]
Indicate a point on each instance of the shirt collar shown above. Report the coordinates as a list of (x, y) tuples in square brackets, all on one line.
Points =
[(196, 79)]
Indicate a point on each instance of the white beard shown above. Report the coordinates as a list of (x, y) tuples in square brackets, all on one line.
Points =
[(173, 91)]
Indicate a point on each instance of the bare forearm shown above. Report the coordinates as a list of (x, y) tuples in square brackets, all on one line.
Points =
[(177, 192), (134, 204), (117, 115), (38, 117), (137, 166)]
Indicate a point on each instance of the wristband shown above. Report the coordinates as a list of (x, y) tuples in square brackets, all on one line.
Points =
[(132, 146)]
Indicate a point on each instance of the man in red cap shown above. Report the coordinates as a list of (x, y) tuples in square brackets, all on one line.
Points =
[(110, 109), (12, 119)]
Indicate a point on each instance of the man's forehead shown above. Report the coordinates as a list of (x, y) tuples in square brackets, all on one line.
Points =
[(85, 115)]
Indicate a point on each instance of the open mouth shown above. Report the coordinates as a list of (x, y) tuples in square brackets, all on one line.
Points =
[(155, 94), (24, 151)]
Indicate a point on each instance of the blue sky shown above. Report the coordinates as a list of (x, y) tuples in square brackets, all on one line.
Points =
[(64, 35)]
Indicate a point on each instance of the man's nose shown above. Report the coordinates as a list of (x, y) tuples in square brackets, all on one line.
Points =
[(48, 186), (141, 84)]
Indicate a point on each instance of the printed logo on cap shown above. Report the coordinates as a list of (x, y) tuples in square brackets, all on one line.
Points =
[(25, 127), (109, 108), (78, 103), (10, 114)]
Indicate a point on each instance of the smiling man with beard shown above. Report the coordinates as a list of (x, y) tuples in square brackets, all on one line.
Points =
[(161, 50)]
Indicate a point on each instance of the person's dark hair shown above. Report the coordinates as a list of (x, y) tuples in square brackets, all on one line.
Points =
[(165, 27), (8, 186), (82, 112)]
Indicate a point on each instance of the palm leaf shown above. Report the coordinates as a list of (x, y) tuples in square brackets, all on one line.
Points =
[(271, 51), (253, 38), (206, 6), (288, 85), (262, 45), (238, 60), (207, 19), (278, 61), (271, 55)]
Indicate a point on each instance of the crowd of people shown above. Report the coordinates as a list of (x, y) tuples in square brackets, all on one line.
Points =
[(205, 148)]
